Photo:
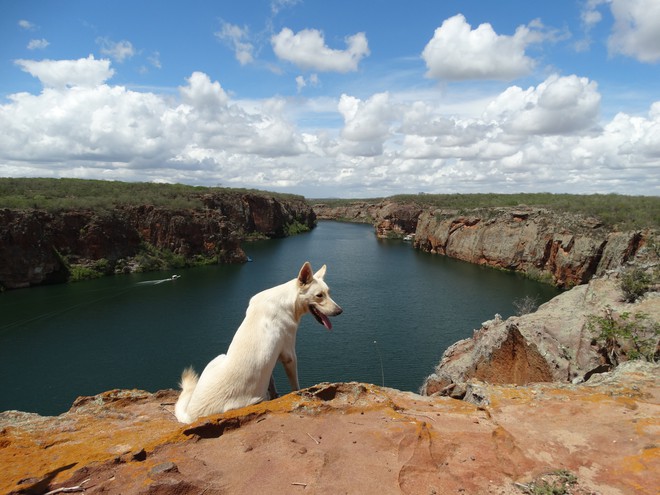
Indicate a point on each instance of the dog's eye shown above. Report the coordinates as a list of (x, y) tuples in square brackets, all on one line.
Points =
[(320, 295)]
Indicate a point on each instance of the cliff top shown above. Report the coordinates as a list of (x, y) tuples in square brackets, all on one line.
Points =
[(617, 212), (597, 437), (60, 194)]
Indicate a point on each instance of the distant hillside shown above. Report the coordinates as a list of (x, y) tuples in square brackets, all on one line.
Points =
[(64, 194), (613, 210)]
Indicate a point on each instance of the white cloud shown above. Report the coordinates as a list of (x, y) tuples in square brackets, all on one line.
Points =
[(27, 25), (154, 60), (119, 51), (87, 72), (307, 50), (544, 138), (458, 52), (636, 30), (366, 123), (559, 105), (277, 5), (301, 82), (37, 44), (237, 37)]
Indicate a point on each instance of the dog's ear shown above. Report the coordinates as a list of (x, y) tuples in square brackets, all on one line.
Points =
[(305, 276), (321, 273)]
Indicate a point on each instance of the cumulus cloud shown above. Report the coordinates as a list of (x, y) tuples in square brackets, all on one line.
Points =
[(38, 44), (87, 72), (237, 37), (98, 130), (636, 30), (307, 50), (27, 25), (548, 137), (366, 123), (559, 105), (458, 52), (118, 51)]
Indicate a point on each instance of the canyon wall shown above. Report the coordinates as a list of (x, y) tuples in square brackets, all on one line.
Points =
[(38, 247), (390, 219), (564, 249)]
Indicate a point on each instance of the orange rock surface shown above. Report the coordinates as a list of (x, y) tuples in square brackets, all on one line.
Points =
[(349, 438)]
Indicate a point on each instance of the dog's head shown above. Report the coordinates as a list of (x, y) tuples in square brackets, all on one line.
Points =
[(315, 295)]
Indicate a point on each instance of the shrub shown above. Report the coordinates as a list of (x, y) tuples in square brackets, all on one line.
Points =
[(559, 482), (82, 272), (295, 227), (635, 282), (526, 305), (624, 337)]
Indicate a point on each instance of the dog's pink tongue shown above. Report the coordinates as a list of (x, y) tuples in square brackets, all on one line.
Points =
[(326, 321)]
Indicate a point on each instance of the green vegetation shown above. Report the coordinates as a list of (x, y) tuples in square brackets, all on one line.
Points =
[(635, 282), (625, 337), (81, 272), (61, 194), (557, 482), (614, 210), (296, 228)]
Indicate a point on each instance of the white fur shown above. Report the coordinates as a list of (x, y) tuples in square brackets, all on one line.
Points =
[(268, 334)]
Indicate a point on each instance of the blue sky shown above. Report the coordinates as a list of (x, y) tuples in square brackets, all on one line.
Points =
[(341, 98)]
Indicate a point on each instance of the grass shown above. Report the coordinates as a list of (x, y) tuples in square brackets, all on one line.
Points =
[(63, 194), (613, 210)]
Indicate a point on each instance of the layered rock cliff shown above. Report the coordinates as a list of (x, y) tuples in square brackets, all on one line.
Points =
[(567, 249), (599, 437), (564, 249), (38, 247), (390, 219)]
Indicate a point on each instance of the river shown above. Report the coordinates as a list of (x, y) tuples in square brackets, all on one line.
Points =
[(402, 309)]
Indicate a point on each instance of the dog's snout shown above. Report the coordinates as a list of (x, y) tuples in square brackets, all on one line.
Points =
[(338, 311)]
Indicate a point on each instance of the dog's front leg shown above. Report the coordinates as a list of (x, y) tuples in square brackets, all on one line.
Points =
[(272, 390), (291, 367)]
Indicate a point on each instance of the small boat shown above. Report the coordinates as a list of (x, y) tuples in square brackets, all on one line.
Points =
[(409, 237)]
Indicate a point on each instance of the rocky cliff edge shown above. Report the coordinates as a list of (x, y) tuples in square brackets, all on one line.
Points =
[(41, 247), (565, 249), (597, 437)]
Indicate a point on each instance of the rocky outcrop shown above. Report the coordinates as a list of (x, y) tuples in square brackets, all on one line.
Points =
[(37, 247), (390, 219), (566, 249), (555, 343), (597, 437)]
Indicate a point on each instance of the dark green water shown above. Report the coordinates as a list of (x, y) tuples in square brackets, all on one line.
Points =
[(60, 342)]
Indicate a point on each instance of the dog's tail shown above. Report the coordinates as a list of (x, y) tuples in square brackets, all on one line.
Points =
[(188, 383)]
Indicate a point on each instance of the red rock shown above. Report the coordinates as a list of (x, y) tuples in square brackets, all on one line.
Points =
[(568, 249), (348, 438)]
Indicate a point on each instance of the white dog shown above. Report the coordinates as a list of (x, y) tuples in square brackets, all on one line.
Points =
[(268, 334)]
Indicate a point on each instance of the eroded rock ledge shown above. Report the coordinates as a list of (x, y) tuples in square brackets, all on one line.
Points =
[(554, 343), (347, 438), (37, 246), (564, 249)]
